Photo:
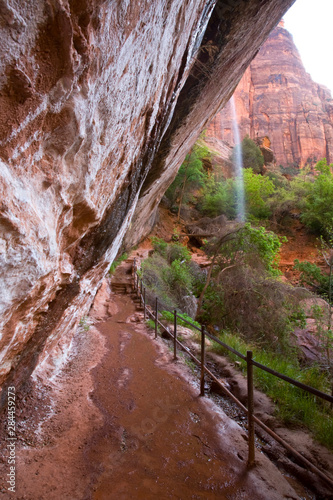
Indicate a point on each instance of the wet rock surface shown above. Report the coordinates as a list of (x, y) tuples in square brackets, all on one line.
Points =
[(99, 106)]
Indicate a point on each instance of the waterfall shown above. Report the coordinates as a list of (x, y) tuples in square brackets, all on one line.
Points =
[(238, 165)]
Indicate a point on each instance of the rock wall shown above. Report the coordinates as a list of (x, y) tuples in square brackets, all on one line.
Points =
[(278, 99), (100, 102)]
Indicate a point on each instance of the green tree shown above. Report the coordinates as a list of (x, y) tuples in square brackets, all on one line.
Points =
[(241, 245), (251, 155), (255, 246), (191, 175), (218, 197), (258, 190), (317, 213), (243, 292)]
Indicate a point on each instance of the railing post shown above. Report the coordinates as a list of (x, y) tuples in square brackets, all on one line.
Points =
[(144, 303), (202, 376), (250, 405), (156, 316), (175, 334), (140, 292)]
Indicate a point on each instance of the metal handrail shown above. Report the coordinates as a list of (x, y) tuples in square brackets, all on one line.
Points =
[(250, 363), (188, 322), (226, 346), (305, 387)]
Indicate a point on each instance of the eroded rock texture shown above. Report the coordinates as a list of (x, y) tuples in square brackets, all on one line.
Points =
[(278, 99), (100, 102)]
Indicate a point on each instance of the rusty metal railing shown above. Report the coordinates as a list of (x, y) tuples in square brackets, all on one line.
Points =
[(140, 291)]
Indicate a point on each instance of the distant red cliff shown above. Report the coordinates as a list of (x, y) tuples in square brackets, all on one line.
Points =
[(277, 99)]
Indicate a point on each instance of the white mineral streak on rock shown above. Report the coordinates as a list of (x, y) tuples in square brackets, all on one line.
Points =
[(86, 93)]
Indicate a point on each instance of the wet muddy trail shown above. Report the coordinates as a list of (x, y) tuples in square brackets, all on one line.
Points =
[(162, 443), (122, 420)]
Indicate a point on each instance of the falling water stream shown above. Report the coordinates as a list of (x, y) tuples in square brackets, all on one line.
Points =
[(238, 166)]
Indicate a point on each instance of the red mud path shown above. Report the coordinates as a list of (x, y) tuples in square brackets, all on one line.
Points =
[(130, 428)]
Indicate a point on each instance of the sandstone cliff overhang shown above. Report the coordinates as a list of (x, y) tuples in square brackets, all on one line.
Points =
[(100, 102)]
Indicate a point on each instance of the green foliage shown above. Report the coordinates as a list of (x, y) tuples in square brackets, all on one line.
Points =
[(278, 179), (191, 175), (324, 332), (169, 316), (150, 323), (177, 251), (253, 245), (218, 197), (244, 293), (317, 213), (84, 323), (251, 155), (322, 283), (257, 190), (169, 274), (290, 170), (313, 276), (198, 277), (172, 251), (265, 244), (117, 262), (159, 245), (178, 279), (152, 275), (294, 406), (193, 367), (273, 196), (289, 196)]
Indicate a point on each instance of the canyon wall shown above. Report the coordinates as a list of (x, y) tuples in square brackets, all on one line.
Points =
[(277, 98), (100, 101)]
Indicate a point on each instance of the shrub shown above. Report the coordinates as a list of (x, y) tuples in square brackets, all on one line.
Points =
[(117, 262), (190, 176), (169, 316), (294, 406), (152, 271), (178, 279), (317, 213), (313, 276), (257, 306), (251, 245), (198, 277), (257, 190), (84, 323), (242, 291), (218, 198), (251, 155), (160, 246), (177, 251), (168, 274)]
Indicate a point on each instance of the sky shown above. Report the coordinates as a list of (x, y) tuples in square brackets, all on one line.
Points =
[(310, 22)]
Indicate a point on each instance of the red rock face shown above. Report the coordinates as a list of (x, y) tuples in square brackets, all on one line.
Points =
[(278, 99), (99, 105)]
